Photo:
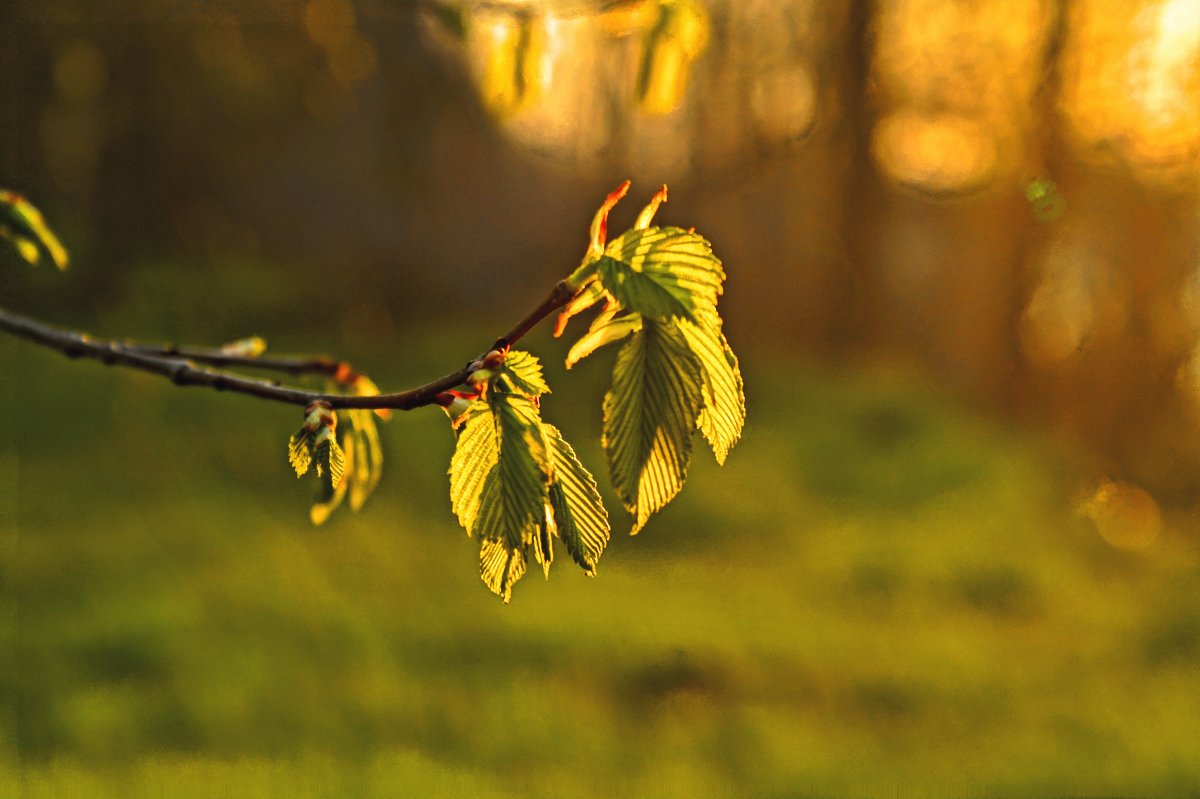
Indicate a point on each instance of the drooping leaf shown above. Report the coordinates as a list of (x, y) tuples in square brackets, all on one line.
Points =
[(724, 412), (579, 517), (605, 329), (501, 566), (649, 415), (331, 464), (300, 447), (590, 294), (500, 470), (524, 467), (524, 372), (543, 542), (476, 454), (325, 503), (23, 225), (366, 461), (662, 273)]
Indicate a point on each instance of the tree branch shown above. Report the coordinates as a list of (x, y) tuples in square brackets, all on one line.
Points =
[(223, 358), (179, 363)]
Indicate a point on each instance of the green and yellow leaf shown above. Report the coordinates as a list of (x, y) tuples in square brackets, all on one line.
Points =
[(524, 372), (500, 470), (23, 225), (724, 412), (331, 465), (604, 330), (662, 273), (300, 450), (649, 415), (501, 566), (576, 511)]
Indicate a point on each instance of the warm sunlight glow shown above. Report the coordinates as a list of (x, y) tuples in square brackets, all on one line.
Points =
[(956, 81), (1132, 82), (784, 102), (1125, 515), (942, 155), (1062, 312)]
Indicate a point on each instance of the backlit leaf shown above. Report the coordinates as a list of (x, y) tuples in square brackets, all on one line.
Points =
[(524, 372), (605, 329), (649, 415), (365, 463), (300, 447), (501, 566), (475, 456), (23, 225), (331, 464), (543, 542), (500, 470), (662, 272), (580, 520), (724, 412)]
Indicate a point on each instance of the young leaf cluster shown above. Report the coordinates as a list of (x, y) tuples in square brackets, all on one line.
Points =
[(658, 289), (516, 485)]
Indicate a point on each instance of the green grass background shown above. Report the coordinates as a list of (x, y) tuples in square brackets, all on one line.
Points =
[(880, 594)]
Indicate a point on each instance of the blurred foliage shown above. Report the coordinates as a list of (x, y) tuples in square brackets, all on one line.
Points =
[(913, 605)]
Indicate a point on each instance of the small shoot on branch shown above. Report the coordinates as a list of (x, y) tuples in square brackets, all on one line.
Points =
[(22, 225)]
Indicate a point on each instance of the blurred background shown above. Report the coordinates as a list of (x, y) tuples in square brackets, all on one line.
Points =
[(957, 548)]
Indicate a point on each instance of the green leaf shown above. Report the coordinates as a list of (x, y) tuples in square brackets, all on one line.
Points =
[(605, 329), (23, 225), (543, 542), (662, 273), (364, 456), (331, 464), (476, 453), (724, 412), (300, 448), (579, 517), (524, 373), (501, 566), (499, 484), (649, 415)]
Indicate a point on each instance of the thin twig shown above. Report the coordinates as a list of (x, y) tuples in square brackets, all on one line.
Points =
[(175, 363), (222, 358)]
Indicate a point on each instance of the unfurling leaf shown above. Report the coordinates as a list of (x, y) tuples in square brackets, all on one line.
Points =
[(249, 347), (604, 330), (524, 372), (591, 293), (23, 225), (300, 448), (543, 544), (330, 461), (361, 454), (318, 416), (363, 457), (366, 466), (649, 415)]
